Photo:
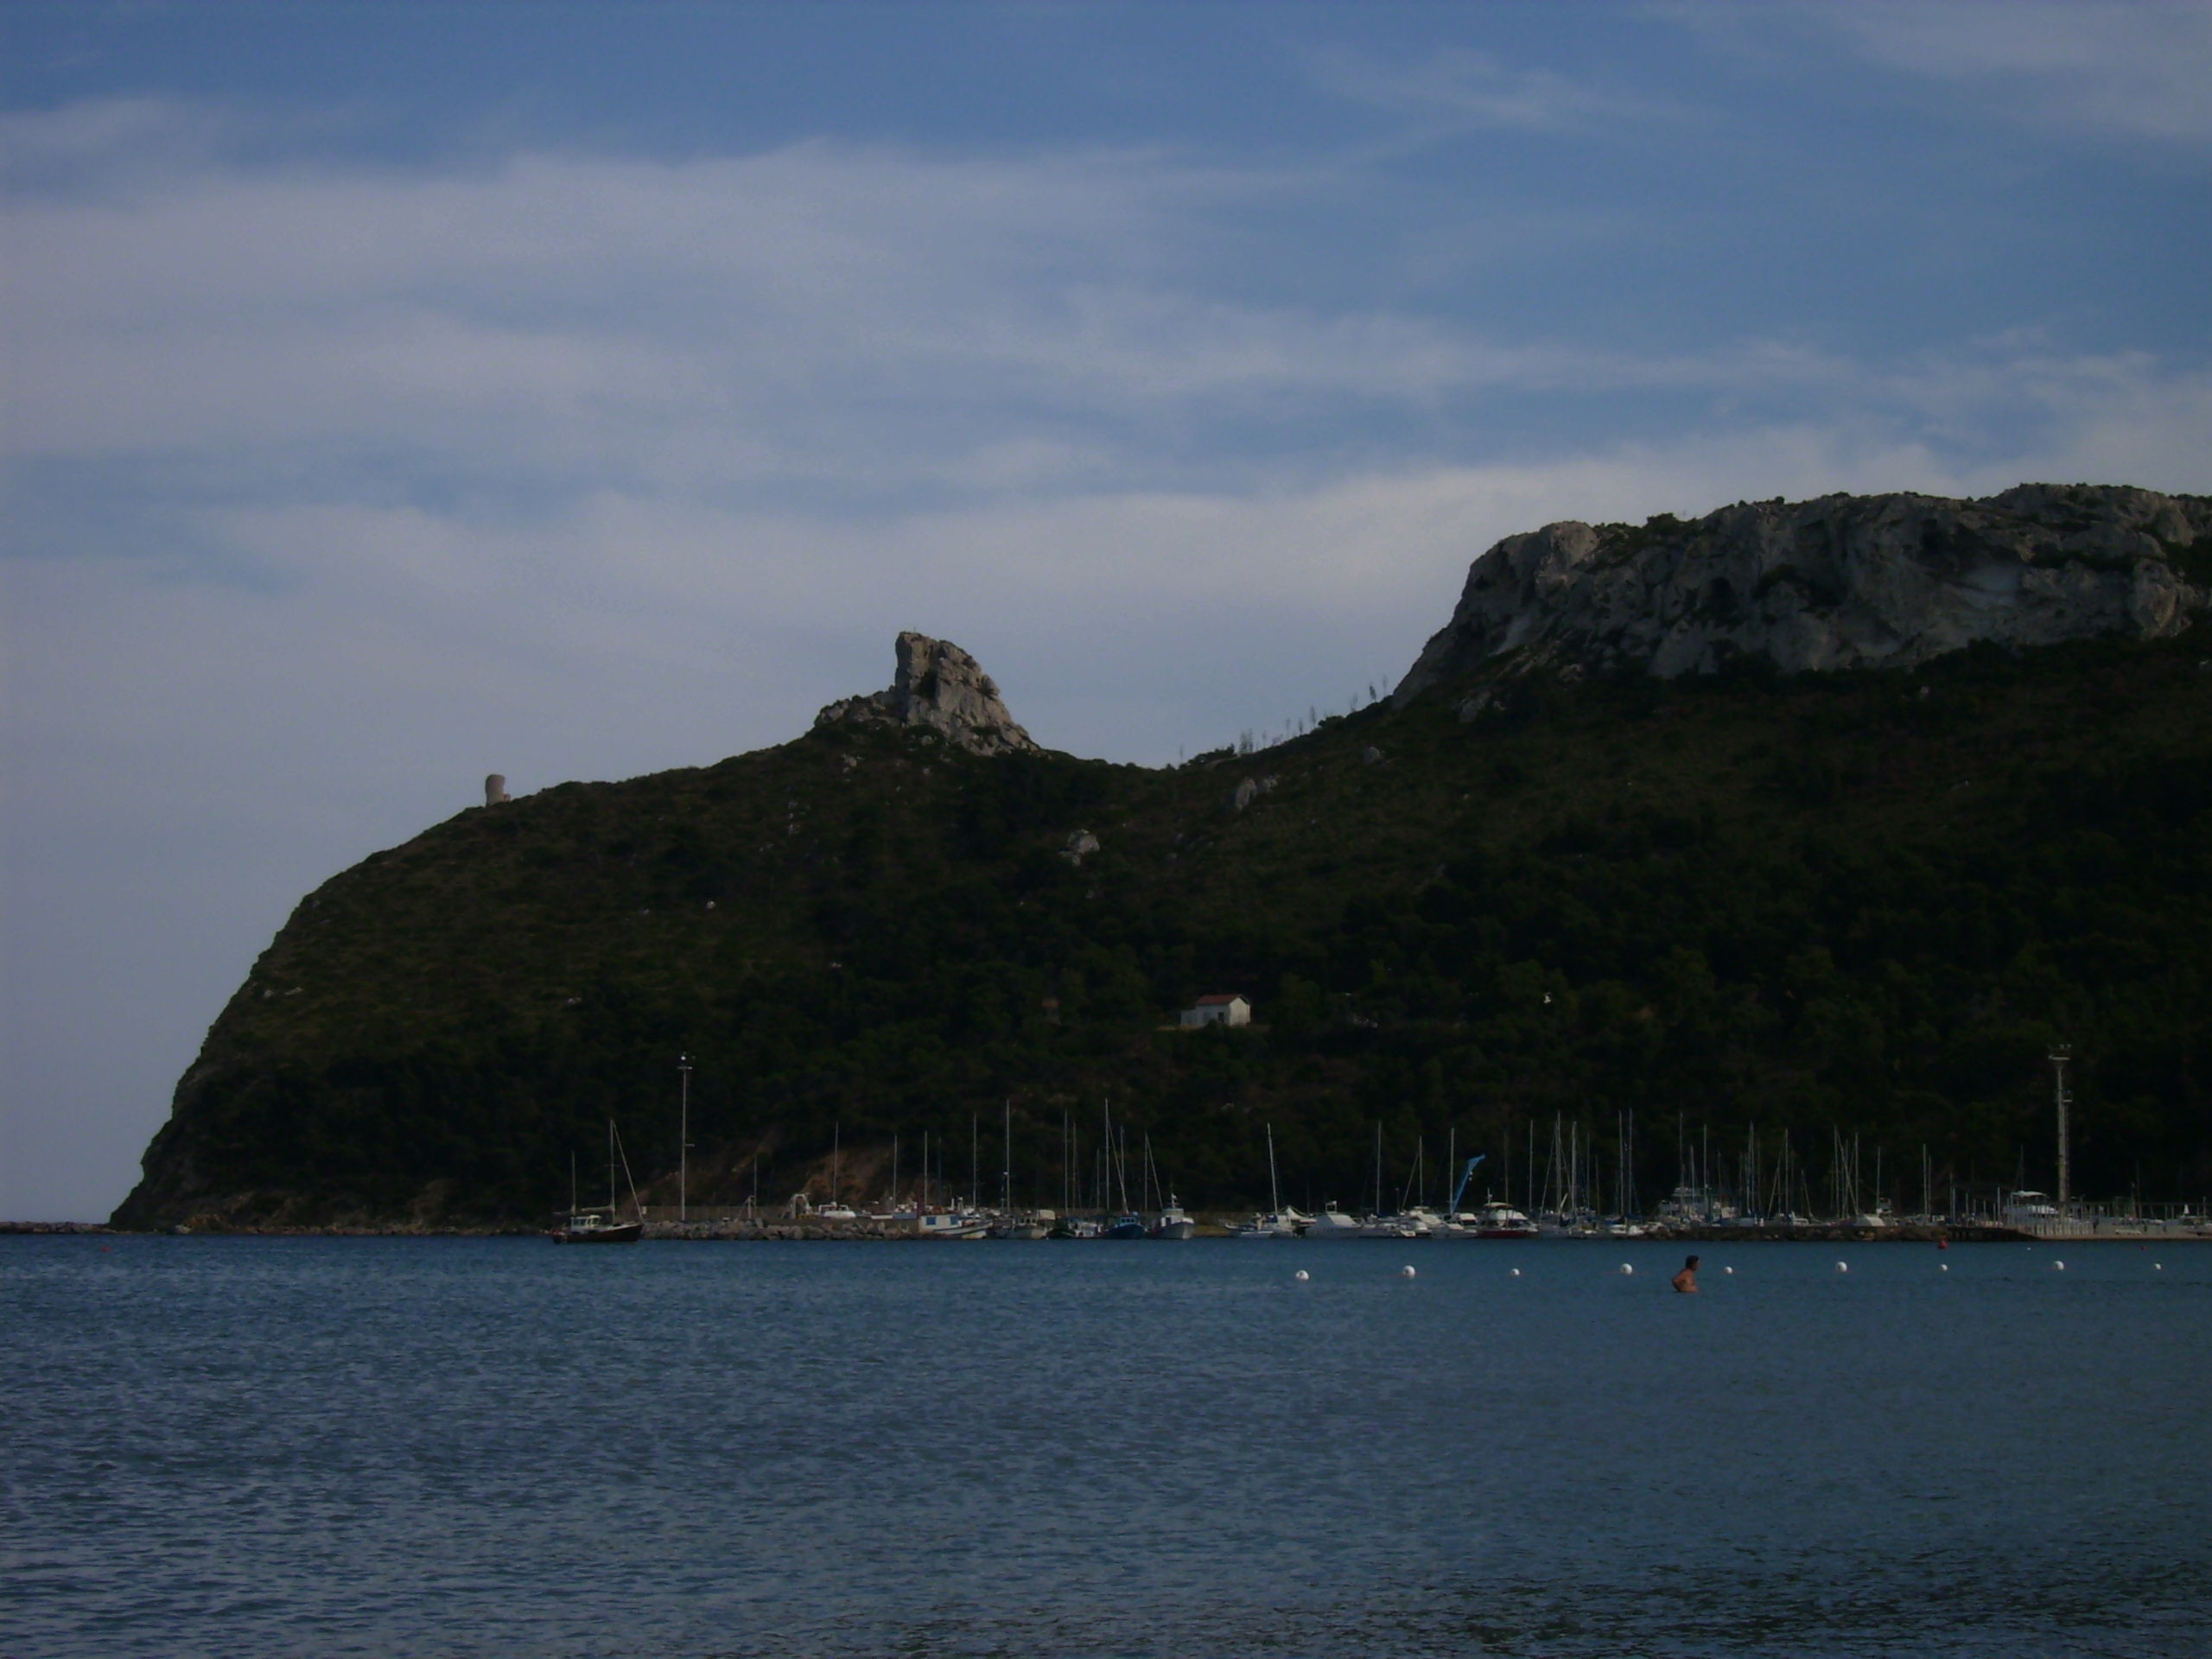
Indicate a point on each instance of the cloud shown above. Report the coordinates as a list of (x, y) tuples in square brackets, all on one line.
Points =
[(815, 313), (1454, 89), (2131, 68), (108, 142), (845, 325)]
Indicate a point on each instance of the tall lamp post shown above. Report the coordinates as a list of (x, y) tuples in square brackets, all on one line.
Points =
[(2059, 1056), (683, 1139)]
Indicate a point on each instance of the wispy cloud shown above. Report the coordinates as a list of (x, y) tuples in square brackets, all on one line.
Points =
[(1457, 90), (2133, 68), (2142, 67), (816, 318)]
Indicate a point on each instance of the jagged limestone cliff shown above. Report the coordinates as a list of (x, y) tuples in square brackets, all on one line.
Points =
[(1842, 581)]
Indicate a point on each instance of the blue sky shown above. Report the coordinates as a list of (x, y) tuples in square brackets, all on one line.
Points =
[(397, 393)]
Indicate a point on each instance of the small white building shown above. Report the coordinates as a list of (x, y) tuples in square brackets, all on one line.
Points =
[(1218, 1011)]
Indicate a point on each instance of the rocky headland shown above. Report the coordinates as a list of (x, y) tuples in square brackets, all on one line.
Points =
[(1821, 819)]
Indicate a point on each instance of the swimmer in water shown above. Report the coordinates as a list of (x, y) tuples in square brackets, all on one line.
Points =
[(1685, 1281)]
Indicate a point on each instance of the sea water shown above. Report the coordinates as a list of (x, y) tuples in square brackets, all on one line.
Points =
[(478, 1447)]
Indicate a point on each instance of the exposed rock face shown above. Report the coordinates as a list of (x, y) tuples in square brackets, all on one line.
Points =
[(1841, 582), (941, 688)]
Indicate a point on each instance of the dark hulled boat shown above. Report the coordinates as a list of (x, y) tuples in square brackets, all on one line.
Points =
[(597, 1226)]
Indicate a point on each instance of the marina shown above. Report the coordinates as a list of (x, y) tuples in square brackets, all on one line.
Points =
[(1578, 1187)]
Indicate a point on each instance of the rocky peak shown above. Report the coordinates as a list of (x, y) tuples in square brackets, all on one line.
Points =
[(1841, 582), (940, 688)]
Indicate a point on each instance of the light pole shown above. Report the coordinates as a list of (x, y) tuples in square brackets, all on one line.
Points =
[(2059, 1056), (683, 1139)]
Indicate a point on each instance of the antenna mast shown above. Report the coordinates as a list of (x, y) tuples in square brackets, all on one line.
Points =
[(2059, 1056), (684, 1140)]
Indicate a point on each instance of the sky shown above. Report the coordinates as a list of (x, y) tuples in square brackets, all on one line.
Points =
[(392, 394)]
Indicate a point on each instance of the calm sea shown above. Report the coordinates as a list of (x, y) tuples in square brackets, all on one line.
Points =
[(241, 1447)]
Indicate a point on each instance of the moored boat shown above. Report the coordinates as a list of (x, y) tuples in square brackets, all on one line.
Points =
[(1278, 1224), (597, 1227), (1334, 1223), (593, 1226), (1174, 1221), (950, 1224), (1497, 1219)]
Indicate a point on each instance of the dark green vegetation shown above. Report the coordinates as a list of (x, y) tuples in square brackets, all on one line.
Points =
[(1865, 902)]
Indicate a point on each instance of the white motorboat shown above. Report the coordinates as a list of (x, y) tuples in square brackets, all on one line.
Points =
[(1287, 1224), (1174, 1221), (1497, 1219), (1334, 1223), (950, 1224), (2026, 1209)]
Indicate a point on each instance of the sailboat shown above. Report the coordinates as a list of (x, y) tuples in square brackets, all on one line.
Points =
[(595, 1226), (1278, 1223), (836, 1209), (1008, 1225), (1128, 1224)]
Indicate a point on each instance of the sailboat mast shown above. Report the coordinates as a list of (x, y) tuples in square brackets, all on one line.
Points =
[(1275, 1195)]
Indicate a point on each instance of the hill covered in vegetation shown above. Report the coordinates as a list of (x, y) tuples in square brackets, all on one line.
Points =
[(1552, 880)]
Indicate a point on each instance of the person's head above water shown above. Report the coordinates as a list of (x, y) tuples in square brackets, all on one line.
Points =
[(1692, 1263)]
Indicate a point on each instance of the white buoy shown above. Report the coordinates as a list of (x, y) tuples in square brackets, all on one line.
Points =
[(1625, 1268), (1405, 1273), (1516, 1273), (1843, 1267), (1303, 1276), (1730, 1270), (2060, 1266), (2157, 1266), (1942, 1267)]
